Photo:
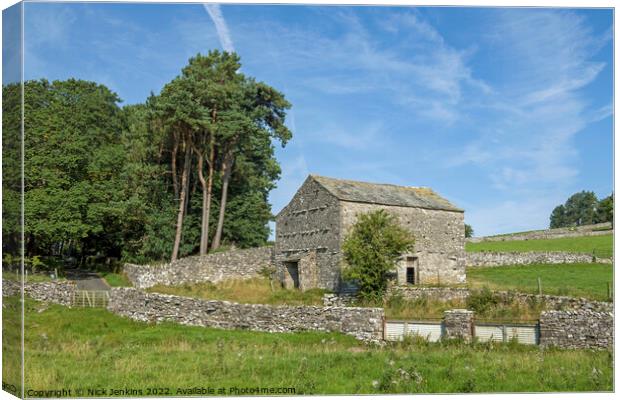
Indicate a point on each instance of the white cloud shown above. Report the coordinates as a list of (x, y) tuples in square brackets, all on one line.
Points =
[(220, 25)]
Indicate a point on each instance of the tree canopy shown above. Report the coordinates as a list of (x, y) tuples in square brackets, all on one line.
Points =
[(190, 167), (582, 208)]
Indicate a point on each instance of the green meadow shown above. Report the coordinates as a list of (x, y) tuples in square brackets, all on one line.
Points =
[(576, 280), (92, 348), (599, 246)]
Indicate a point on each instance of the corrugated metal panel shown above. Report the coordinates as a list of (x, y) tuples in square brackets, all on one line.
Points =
[(486, 333), (526, 334), (523, 333), (431, 332), (394, 330)]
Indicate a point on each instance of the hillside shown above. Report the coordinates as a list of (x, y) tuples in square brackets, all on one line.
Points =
[(600, 246)]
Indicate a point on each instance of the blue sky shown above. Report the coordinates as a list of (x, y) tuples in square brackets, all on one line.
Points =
[(504, 111)]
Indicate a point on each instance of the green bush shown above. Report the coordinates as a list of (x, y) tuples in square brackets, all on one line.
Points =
[(371, 250), (481, 300)]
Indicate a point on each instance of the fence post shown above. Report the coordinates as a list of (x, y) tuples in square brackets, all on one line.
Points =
[(539, 286), (609, 290), (383, 322)]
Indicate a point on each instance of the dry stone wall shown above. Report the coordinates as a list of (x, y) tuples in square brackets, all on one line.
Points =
[(233, 264), (363, 323), (498, 259), (447, 294), (458, 324), (604, 228), (577, 329), (54, 292)]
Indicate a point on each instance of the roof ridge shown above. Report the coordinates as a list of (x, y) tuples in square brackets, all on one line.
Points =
[(384, 193), (368, 182)]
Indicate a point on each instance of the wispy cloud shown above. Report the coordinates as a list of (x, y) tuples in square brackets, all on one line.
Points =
[(532, 140), (403, 57), (216, 15)]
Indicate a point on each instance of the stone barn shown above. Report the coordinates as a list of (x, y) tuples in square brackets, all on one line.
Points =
[(312, 227)]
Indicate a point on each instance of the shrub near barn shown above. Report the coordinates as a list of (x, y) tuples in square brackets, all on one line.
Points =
[(372, 249)]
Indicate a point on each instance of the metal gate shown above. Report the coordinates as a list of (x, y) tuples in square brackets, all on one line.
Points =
[(430, 330), (505, 332), (91, 298)]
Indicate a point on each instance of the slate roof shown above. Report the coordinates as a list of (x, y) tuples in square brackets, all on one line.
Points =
[(385, 194)]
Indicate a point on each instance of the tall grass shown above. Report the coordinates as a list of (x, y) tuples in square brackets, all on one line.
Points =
[(92, 348), (486, 305), (258, 290)]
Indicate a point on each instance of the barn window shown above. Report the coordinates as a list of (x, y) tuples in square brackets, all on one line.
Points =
[(411, 271)]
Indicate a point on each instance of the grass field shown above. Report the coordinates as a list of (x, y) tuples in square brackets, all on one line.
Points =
[(254, 291), (92, 348), (601, 246), (577, 280), (115, 279)]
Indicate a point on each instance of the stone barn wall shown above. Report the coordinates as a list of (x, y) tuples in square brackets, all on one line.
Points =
[(307, 233), (363, 323), (233, 264), (439, 240)]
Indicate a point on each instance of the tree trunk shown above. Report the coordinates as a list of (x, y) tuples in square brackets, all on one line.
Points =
[(175, 182), (181, 213), (207, 185), (188, 184), (226, 172)]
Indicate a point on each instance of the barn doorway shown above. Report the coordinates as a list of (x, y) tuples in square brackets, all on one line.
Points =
[(411, 277), (292, 269)]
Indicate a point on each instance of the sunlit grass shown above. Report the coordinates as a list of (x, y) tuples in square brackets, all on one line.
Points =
[(576, 280), (600, 246), (255, 291), (92, 348)]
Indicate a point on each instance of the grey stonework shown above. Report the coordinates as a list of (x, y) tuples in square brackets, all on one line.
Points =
[(439, 250), (310, 231), (498, 259), (233, 264), (309, 224), (60, 292), (458, 324), (577, 329), (362, 323), (550, 302), (338, 299), (604, 228), (444, 294)]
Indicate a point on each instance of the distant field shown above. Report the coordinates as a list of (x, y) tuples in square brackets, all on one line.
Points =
[(577, 280), (93, 348), (602, 246)]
